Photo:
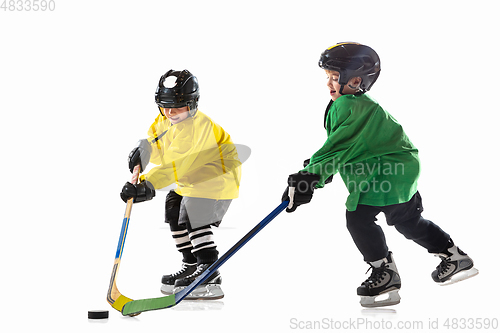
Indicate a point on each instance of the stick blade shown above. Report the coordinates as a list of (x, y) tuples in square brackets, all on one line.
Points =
[(142, 305)]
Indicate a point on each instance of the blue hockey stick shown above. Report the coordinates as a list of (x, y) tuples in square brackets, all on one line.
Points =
[(135, 307)]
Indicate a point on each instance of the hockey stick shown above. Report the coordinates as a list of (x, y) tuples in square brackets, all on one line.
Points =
[(132, 308), (115, 298)]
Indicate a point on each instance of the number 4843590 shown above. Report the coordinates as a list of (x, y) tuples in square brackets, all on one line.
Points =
[(28, 5)]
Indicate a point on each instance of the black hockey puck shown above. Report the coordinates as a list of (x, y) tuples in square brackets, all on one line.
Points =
[(98, 314)]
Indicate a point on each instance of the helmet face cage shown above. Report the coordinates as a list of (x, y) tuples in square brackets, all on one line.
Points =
[(178, 89), (352, 60)]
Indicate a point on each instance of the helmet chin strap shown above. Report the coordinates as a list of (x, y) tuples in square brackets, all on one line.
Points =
[(191, 113)]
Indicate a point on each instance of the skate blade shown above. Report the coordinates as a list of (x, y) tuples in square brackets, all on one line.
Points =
[(167, 289), (460, 276), (206, 305), (386, 299), (207, 292)]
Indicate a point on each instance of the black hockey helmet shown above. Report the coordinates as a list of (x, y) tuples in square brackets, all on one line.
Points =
[(352, 60), (177, 89)]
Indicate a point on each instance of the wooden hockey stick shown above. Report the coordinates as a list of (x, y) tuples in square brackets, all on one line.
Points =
[(115, 298)]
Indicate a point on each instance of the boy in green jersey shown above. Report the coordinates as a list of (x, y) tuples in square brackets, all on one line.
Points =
[(380, 168)]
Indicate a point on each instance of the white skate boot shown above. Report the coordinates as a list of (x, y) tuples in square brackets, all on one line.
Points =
[(455, 266), (382, 287)]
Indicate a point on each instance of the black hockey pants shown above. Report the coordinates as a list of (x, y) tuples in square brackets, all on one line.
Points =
[(405, 217)]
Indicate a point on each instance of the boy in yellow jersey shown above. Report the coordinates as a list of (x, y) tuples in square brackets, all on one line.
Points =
[(380, 168), (198, 155)]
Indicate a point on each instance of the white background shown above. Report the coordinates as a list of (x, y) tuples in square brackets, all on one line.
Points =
[(77, 87)]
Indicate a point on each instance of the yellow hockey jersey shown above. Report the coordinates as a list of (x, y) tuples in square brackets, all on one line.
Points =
[(196, 154)]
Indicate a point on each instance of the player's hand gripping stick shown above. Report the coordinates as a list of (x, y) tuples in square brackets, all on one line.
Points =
[(300, 189)]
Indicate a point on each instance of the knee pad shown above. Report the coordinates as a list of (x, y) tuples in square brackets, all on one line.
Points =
[(172, 208)]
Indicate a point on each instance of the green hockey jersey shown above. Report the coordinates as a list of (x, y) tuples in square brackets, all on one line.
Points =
[(370, 150)]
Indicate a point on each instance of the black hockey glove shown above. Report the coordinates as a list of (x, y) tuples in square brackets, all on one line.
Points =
[(140, 192), (327, 181), (302, 185), (140, 154)]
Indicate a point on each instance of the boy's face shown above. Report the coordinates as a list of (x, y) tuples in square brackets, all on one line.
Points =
[(334, 86), (176, 115)]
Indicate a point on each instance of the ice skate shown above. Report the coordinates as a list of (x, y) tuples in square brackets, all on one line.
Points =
[(208, 290), (382, 287), (168, 281), (455, 266)]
